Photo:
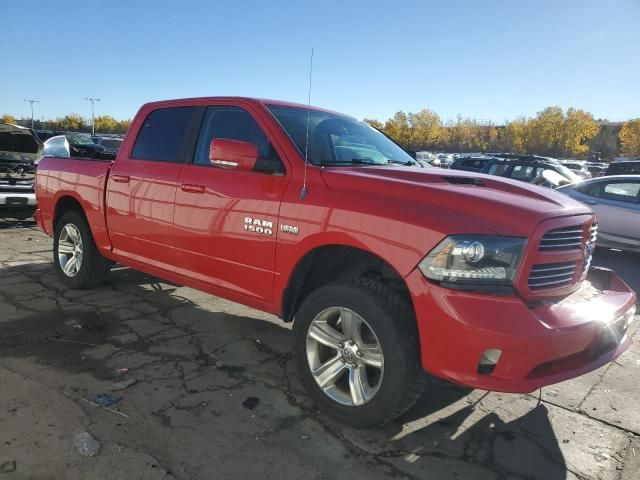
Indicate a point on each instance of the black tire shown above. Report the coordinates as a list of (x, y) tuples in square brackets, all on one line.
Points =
[(94, 268), (392, 320)]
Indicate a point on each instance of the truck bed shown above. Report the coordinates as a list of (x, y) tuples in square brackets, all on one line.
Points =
[(80, 179)]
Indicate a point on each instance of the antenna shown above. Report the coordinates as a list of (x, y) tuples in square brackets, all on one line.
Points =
[(303, 192)]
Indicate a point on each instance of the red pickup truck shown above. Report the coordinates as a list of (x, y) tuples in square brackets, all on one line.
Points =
[(386, 268)]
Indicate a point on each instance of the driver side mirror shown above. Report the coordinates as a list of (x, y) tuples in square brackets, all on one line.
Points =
[(233, 154)]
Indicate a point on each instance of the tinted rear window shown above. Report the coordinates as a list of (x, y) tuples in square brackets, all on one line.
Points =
[(476, 164), (162, 134), (624, 168)]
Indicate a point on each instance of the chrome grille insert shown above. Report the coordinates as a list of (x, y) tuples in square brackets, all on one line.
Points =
[(551, 275), (567, 238), (593, 233)]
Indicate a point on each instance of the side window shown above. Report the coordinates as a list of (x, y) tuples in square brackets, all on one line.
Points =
[(475, 164), (234, 123), (624, 192), (591, 189), (162, 134), (522, 172), (498, 169)]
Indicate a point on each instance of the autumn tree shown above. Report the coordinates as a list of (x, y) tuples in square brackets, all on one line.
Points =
[(544, 131), (424, 129), (6, 118), (106, 124), (123, 126), (378, 125), (630, 138), (513, 137), (606, 141), (397, 128), (577, 129)]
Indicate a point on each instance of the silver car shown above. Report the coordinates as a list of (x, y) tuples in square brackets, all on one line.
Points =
[(616, 202)]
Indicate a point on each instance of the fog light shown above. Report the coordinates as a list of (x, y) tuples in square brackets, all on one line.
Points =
[(488, 361), (628, 316)]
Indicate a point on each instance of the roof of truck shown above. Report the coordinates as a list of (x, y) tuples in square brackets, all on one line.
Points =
[(263, 101)]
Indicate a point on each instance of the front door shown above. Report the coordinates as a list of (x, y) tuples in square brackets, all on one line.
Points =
[(226, 221)]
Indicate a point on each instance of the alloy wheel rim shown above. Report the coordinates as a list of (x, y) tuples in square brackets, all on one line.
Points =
[(70, 250), (344, 356)]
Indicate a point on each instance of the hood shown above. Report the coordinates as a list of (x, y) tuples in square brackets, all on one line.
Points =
[(468, 201), (20, 150), (18, 144)]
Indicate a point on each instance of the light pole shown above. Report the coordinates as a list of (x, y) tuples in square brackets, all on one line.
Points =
[(93, 121), (31, 101)]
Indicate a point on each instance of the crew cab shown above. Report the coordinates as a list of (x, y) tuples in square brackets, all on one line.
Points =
[(386, 269)]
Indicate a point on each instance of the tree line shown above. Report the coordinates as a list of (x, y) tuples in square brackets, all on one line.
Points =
[(552, 132), (72, 123)]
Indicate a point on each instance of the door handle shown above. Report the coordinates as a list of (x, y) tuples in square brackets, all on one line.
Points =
[(192, 188), (120, 178)]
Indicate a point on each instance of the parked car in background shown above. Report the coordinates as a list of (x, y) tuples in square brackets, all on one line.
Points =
[(427, 159), (529, 168), (471, 164), (579, 167), (626, 167), (75, 145), (616, 202), (20, 150), (446, 159), (111, 144), (597, 169)]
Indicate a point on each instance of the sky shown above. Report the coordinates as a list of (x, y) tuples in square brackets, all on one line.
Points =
[(491, 60)]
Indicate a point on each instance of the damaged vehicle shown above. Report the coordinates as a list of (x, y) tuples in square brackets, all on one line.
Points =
[(20, 150)]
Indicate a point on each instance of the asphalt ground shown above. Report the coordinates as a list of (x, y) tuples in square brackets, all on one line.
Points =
[(217, 395)]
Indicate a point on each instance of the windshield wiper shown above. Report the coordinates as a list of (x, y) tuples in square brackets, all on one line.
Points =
[(365, 161), (409, 163)]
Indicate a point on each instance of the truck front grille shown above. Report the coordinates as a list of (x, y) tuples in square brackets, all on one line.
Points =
[(593, 233), (567, 238), (552, 275)]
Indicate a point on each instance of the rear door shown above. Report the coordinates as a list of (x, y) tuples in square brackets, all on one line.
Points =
[(141, 191), (225, 220)]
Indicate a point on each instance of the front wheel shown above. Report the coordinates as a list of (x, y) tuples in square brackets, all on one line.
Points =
[(75, 255), (357, 352)]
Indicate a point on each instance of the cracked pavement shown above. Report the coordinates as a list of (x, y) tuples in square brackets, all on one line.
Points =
[(197, 360)]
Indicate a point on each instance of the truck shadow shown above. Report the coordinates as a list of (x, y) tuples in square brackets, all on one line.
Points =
[(444, 432), (466, 434)]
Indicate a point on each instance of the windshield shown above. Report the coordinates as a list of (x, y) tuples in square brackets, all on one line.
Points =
[(338, 140), (79, 139)]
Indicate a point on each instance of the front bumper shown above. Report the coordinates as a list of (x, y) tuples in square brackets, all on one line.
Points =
[(18, 203), (541, 344)]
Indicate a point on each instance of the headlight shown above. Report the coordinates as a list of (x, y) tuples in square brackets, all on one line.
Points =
[(469, 259)]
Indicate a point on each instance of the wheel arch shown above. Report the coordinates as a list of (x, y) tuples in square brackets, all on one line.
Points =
[(64, 204), (327, 263)]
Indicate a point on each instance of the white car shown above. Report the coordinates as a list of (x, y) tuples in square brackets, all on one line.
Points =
[(616, 202)]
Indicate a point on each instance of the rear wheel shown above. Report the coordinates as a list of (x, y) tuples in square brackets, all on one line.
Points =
[(75, 254), (357, 352)]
